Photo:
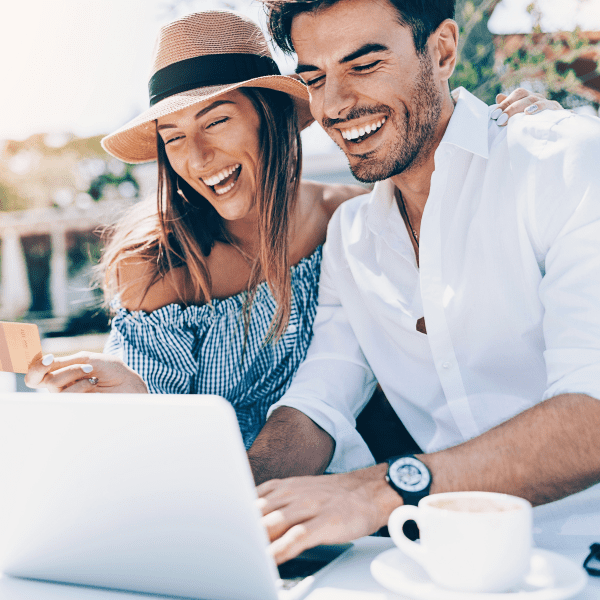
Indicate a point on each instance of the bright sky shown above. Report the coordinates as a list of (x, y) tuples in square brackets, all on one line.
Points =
[(82, 65)]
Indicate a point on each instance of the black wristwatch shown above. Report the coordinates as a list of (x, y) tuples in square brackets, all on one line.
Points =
[(409, 477)]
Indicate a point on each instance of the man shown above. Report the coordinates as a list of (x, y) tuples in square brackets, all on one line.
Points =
[(467, 284)]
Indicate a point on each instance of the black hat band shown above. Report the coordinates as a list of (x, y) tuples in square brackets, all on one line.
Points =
[(208, 70)]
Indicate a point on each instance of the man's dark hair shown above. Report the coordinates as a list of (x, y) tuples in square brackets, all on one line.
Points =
[(423, 17)]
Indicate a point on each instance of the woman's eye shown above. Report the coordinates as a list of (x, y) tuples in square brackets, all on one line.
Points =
[(366, 67), (173, 139), (218, 122)]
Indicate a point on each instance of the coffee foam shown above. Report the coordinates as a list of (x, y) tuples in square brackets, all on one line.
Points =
[(474, 505)]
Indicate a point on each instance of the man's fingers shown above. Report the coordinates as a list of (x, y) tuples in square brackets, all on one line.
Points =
[(278, 521), (292, 542), (275, 493), (321, 529), (267, 487)]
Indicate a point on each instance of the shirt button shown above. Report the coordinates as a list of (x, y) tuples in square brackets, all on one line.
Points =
[(292, 329), (446, 365)]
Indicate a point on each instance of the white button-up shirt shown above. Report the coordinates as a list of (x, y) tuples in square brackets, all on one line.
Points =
[(509, 285)]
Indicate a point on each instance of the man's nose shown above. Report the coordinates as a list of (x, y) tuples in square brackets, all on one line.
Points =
[(337, 99)]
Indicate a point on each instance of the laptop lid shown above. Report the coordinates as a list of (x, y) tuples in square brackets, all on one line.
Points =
[(140, 493)]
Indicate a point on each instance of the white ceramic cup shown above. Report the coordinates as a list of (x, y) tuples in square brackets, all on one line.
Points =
[(469, 541)]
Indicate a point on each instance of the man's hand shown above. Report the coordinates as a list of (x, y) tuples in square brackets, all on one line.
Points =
[(303, 512)]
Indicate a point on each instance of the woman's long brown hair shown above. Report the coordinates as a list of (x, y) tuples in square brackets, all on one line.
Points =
[(182, 231)]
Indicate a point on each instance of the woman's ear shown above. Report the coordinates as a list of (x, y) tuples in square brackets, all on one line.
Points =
[(444, 48)]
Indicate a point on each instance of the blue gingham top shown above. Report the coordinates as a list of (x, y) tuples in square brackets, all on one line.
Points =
[(198, 350)]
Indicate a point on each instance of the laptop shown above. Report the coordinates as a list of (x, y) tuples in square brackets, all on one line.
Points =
[(141, 493)]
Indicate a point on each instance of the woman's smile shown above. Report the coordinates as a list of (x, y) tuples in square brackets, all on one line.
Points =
[(224, 180), (214, 146)]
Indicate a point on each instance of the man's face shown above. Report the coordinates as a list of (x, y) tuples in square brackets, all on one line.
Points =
[(370, 90)]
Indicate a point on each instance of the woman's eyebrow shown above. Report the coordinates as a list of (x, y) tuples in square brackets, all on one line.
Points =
[(200, 113), (362, 51)]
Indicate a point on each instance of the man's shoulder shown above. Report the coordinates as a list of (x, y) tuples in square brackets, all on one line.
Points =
[(552, 132), (347, 227), (349, 214)]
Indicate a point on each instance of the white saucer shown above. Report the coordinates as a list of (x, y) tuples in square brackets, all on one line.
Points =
[(552, 577)]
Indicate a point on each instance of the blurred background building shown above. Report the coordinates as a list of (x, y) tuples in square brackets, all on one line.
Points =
[(58, 189)]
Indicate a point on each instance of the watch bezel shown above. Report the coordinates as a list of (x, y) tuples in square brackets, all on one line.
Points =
[(402, 461)]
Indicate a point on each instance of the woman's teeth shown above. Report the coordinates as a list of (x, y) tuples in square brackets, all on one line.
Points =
[(358, 132), (225, 189), (228, 175), (216, 179)]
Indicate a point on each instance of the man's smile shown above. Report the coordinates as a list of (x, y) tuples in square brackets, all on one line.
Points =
[(357, 133)]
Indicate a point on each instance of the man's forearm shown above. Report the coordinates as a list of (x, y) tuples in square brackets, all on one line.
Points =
[(543, 454), (290, 444)]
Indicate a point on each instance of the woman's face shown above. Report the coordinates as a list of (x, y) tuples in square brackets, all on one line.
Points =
[(214, 146)]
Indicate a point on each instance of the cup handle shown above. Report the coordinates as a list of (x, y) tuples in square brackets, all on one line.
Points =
[(395, 524)]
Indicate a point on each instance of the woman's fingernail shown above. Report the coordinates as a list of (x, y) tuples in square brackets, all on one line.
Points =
[(532, 108), (496, 113), (502, 119), (87, 368), (48, 359)]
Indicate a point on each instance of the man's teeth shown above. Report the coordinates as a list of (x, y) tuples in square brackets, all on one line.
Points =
[(216, 179), (352, 134)]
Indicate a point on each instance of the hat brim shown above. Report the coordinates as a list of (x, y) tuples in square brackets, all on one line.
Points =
[(135, 142)]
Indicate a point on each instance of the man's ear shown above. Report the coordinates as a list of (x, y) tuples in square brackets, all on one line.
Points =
[(443, 44)]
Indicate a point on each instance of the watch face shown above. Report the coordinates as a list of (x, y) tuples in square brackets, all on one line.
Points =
[(409, 474)]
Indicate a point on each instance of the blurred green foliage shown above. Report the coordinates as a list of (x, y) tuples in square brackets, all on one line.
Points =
[(542, 61), (476, 53)]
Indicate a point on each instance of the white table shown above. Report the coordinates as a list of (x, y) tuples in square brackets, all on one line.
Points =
[(568, 527)]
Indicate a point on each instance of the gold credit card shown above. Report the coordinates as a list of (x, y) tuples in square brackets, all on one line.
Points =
[(19, 345)]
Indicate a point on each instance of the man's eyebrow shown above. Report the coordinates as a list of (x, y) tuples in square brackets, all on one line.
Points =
[(305, 68), (362, 51), (201, 112), (366, 49)]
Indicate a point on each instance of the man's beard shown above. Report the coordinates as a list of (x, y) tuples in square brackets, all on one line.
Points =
[(415, 137)]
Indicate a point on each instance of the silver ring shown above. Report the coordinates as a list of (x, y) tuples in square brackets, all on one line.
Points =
[(532, 108), (93, 380)]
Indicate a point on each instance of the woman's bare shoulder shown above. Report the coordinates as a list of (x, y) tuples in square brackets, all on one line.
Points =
[(328, 196), (141, 288), (316, 204)]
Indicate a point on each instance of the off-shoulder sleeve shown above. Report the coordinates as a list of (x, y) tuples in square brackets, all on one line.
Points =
[(158, 345)]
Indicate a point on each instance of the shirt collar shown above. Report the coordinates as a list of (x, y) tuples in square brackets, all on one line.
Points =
[(467, 129), (468, 126), (381, 202)]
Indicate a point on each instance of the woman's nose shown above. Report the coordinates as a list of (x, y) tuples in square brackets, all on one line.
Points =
[(200, 156)]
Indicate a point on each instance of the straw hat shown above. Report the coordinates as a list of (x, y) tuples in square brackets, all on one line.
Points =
[(199, 57)]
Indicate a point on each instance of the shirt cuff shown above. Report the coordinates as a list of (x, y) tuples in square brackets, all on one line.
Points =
[(351, 451), (568, 372)]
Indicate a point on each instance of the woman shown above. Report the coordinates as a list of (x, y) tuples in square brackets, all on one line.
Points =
[(205, 299)]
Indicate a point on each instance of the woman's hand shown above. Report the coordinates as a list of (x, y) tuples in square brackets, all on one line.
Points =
[(518, 101), (84, 372)]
